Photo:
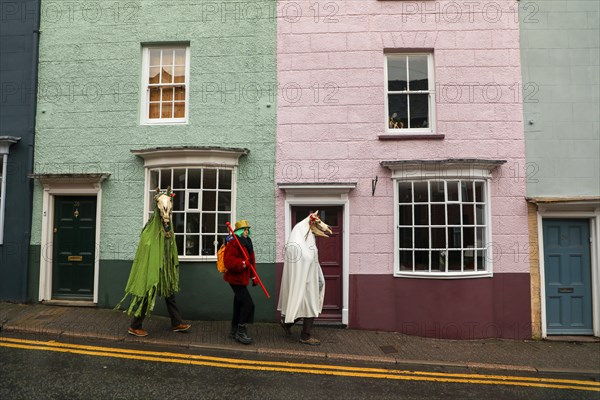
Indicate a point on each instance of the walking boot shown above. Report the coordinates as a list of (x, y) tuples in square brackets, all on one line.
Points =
[(242, 335)]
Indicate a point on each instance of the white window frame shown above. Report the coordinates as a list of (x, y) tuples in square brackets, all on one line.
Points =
[(431, 92), (187, 210), (189, 157), (145, 92), (460, 203), (5, 143), (451, 169)]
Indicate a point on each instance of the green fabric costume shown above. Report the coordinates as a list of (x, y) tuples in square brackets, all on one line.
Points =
[(155, 269)]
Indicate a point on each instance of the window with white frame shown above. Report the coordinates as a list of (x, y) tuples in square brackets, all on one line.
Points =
[(409, 93), (201, 206), (442, 227), (165, 84)]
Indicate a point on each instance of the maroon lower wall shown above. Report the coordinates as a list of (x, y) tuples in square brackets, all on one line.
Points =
[(498, 307)]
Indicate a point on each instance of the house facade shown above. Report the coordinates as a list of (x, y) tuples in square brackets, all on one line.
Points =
[(561, 81), (147, 94), (18, 70), (402, 123)]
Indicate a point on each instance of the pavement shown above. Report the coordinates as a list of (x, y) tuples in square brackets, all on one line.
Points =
[(570, 355)]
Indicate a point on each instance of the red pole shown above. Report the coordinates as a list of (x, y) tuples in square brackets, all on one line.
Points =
[(248, 260)]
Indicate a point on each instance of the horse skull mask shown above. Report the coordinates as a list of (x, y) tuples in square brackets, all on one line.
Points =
[(165, 208), (318, 227)]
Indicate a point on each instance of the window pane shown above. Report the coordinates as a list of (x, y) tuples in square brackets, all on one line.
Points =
[(224, 201), (480, 213), (405, 215), (454, 261), (437, 191), (165, 178), (396, 71), (421, 217), (406, 241), (421, 238), (454, 238), (421, 260), (178, 222), (397, 111), (208, 223), (210, 179), (179, 201), (438, 238), (179, 75), (453, 214), (222, 219), (406, 260), (194, 176), (208, 245), (209, 201), (421, 192), (452, 190), (481, 260), (180, 93), (154, 57), (167, 94), (154, 75), (468, 237), (153, 179), (469, 260), (167, 110), (418, 73), (154, 94), (419, 110), (154, 110), (466, 189), (480, 238), (167, 57), (479, 192), (438, 214), (167, 74), (193, 200), (179, 179), (224, 179), (193, 223), (468, 217), (438, 261), (179, 110), (179, 243), (192, 245), (405, 192), (180, 57)]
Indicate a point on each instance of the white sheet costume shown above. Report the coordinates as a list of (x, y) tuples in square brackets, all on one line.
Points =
[(302, 284)]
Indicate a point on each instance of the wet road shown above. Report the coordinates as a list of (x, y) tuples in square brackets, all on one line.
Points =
[(43, 369)]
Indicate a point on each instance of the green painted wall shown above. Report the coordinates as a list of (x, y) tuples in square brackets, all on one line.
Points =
[(88, 116), (561, 78)]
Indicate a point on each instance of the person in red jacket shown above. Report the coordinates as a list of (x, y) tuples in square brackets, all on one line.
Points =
[(238, 276)]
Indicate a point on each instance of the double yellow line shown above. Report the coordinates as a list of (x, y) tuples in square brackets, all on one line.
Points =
[(334, 370)]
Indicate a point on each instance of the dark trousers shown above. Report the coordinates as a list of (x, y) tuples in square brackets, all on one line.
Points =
[(243, 306), (136, 322), (307, 326)]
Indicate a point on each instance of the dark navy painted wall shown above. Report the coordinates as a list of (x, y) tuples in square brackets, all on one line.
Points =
[(19, 24)]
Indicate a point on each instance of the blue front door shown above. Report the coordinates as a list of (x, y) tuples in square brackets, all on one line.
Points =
[(567, 276)]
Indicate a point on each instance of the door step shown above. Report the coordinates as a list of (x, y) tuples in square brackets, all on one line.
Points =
[(70, 303)]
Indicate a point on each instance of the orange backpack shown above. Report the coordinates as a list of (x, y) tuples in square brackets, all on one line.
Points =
[(221, 259)]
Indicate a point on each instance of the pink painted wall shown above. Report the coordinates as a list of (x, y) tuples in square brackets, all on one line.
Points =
[(335, 138)]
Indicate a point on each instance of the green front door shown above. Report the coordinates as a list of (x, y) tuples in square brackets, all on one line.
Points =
[(74, 247)]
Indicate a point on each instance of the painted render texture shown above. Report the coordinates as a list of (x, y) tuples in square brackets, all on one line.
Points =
[(333, 136), (560, 48), (88, 118)]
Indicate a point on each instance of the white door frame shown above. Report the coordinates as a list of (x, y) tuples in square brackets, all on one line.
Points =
[(325, 195), (562, 211), (65, 186)]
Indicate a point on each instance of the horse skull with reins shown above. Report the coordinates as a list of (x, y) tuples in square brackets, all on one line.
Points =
[(164, 204)]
